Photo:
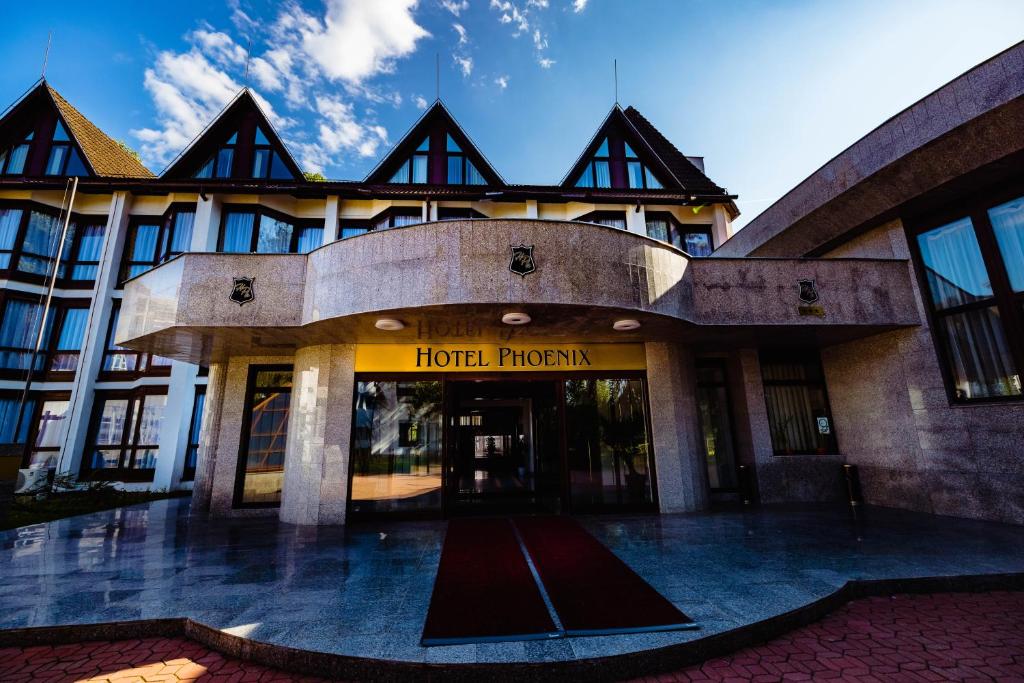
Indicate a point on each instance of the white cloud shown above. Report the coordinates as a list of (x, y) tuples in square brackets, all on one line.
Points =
[(539, 4), (465, 64), (420, 101), (545, 63), (219, 46), (454, 6), (539, 41), (501, 81), (461, 30), (266, 75), (579, 5)]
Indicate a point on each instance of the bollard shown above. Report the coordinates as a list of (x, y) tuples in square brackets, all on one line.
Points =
[(853, 493), (744, 485)]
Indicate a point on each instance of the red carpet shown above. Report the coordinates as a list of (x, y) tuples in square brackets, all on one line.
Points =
[(592, 590), (484, 590)]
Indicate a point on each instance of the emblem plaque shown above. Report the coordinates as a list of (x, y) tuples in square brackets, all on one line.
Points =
[(522, 262), (242, 292), (808, 291)]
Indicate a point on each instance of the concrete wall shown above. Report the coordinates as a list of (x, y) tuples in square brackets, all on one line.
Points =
[(894, 420)]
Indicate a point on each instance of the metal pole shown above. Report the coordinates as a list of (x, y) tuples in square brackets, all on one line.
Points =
[(46, 305)]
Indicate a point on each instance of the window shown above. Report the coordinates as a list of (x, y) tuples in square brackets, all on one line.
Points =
[(597, 172), (66, 346), (12, 161), (194, 435), (45, 448), (798, 412), (414, 169), (19, 329), (86, 250), (453, 213), (39, 245), (613, 219), (261, 458), (12, 429), (348, 227), (397, 217), (262, 231), (10, 225), (124, 438), (461, 170), (153, 240), (715, 417), (266, 162), (607, 444), (638, 174), (64, 158), (219, 165), (695, 240), (973, 272), (122, 363), (391, 471)]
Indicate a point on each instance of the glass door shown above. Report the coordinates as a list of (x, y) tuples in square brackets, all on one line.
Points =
[(716, 425)]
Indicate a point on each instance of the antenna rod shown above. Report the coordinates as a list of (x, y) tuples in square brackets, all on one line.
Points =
[(46, 53), (437, 75), (615, 66), (248, 57)]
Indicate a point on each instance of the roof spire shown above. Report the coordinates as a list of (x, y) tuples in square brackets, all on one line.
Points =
[(46, 54)]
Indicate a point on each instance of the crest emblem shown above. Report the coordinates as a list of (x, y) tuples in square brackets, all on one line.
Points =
[(242, 291), (522, 262), (808, 291)]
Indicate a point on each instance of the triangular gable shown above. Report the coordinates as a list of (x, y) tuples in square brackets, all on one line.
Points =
[(42, 135), (627, 152), (434, 143), (239, 144)]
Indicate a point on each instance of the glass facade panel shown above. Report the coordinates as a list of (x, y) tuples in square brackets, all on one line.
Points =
[(275, 236), (979, 357), (238, 233), (1008, 224), (636, 174), (310, 238), (455, 170), (602, 174), (658, 228), (797, 403), (697, 244), (716, 426), (262, 473), (953, 264), (473, 176), (41, 239), (396, 449), (46, 447), (419, 168), (607, 443), (18, 331), (10, 222)]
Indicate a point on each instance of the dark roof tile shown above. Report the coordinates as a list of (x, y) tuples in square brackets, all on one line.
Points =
[(691, 177)]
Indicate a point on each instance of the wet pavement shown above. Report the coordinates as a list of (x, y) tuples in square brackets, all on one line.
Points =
[(364, 590)]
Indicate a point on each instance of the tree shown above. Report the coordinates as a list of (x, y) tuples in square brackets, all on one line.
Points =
[(314, 177), (124, 146)]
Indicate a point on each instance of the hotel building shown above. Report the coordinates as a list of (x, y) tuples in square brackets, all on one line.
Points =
[(434, 341)]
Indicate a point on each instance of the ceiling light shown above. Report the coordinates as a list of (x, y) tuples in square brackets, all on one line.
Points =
[(389, 324), (626, 325), (515, 318)]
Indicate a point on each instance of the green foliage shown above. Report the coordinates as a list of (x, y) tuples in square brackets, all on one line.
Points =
[(314, 177), (124, 145)]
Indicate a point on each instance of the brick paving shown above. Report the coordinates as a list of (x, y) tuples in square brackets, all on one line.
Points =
[(943, 637)]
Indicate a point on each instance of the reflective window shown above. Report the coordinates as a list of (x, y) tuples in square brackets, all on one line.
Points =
[(39, 246), (19, 329), (275, 236), (67, 344), (125, 435), (414, 169), (261, 466), (46, 444), (153, 240), (607, 443), (12, 160), (220, 163), (697, 243), (194, 435), (953, 264), (1008, 224), (10, 432), (10, 224), (613, 219), (396, 447), (798, 413), (597, 172), (119, 361), (715, 416)]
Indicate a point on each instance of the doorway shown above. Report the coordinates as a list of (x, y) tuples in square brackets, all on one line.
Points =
[(503, 447)]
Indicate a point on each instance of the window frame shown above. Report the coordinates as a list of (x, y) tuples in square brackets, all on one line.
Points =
[(790, 355), (188, 473), (389, 214), (594, 216), (128, 444), (679, 230), (69, 258), (166, 225), (243, 442), (144, 367), (27, 140), (37, 399), (57, 314), (69, 145), (470, 213), (1009, 304), (258, 211), (230, 143), (590, 170), (363, 224)]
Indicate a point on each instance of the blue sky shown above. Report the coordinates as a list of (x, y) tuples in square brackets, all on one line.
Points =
[(765, 91)]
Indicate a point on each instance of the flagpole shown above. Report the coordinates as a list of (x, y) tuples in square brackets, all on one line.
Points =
[(40, 333)]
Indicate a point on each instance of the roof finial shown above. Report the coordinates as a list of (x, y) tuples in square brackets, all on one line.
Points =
[(437, 75), (46, 53), (615, 68), (248, 57)]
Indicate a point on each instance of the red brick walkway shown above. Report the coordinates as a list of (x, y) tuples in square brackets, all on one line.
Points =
[(946, 637)]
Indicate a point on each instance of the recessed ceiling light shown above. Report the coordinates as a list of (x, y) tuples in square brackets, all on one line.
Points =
[(515, 318), (626, 325), (389, 324)]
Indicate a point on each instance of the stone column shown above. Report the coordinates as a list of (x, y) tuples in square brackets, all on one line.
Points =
[(202, 486), (319, 434), (682, 472)]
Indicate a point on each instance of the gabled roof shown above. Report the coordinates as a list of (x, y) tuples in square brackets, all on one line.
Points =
[(101, 154), (190, 159), (437, 115), (670, 165)]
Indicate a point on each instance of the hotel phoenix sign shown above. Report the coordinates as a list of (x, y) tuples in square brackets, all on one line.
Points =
[(522, 262)]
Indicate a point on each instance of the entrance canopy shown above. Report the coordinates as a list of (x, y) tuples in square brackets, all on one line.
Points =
[(454, 281)]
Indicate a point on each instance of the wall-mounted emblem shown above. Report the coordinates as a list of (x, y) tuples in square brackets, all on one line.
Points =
[(808, 291), (242, 291), (522, 262)]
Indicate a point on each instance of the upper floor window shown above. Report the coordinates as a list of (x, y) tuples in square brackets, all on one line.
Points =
[(397, 217), (414, 169), (122, 363), (219, 165), (153, 240), (695, 240), (640, 177), (452, 213), (61, 340), (350, 227), (613, 219), (28, 244), (64, 158), (266, 162), (597, 172), (973, 269), (461, 170), (12, 160), (260, 231)]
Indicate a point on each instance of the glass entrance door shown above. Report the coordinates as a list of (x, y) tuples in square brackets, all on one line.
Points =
[(716, 426), (502, 455)]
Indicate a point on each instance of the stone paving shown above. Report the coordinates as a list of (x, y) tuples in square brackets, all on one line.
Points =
[(364, 590), (944, 637)]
